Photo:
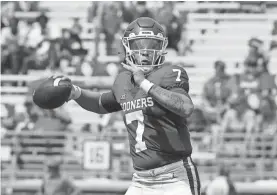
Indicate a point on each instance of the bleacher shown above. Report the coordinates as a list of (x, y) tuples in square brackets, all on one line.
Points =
[(225, 38), (35, 147)]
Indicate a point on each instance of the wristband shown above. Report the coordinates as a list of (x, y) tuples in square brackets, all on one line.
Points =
[(76, 92), (146, 85)]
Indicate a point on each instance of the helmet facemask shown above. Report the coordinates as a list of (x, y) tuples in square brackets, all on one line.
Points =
[(145, 50)]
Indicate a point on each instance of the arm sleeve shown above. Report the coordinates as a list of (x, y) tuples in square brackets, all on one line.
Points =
[(109, 103), (180, 90)]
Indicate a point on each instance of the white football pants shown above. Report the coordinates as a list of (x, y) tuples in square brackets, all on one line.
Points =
[(179, 178)]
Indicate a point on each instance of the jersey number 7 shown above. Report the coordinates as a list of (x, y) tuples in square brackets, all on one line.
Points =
[(178, 74), (137, 116)]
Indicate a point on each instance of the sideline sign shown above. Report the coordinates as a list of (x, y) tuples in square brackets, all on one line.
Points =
[(96, 155)]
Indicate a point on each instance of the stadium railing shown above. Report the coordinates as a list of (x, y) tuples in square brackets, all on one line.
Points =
[(120, 187), (36, 145), (34, 169), (230, 16)]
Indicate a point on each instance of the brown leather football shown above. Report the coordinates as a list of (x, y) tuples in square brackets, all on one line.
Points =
[(52, 93)]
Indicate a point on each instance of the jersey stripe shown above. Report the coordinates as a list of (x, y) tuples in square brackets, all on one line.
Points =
[(196, 176), (198, 187), (193, 176), (190, 175)]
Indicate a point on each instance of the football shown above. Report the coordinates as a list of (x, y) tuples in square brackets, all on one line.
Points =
[(52, 93)]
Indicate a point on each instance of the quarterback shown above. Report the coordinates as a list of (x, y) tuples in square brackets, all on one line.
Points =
[(155, 102)]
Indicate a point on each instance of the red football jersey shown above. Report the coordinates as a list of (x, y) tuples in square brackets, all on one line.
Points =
[(156, 135)]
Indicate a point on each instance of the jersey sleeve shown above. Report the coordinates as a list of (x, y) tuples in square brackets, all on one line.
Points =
[(175, 77), (109, 103)]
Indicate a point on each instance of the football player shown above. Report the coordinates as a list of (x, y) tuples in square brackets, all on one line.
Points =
[(155, 102)]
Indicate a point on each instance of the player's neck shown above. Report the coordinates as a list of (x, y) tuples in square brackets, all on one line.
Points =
[(151, 72)]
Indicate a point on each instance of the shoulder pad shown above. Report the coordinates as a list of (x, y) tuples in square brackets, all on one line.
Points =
[(121, 78), (175, 77)]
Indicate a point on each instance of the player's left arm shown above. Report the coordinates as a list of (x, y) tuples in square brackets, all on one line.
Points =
[(173, 97), (173, 92), (177, 100)]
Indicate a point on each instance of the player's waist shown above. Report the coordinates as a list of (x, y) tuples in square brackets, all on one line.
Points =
[(186, 163)]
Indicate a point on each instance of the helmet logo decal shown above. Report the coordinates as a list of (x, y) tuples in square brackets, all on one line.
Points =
[(146, 33), (132, 35), (160, 35)]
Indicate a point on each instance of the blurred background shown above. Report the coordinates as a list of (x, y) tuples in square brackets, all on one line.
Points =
[(229, 50)]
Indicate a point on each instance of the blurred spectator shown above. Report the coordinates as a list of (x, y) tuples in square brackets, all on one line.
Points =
[(55, 55), (70, 51), (127, 13), (76, 27), (172, 24), (7, 12), (10, 48), (186, 48), (239, 118), (216, 93), (95, 68), (256, 77), (247, 83), (222, 184), (112, 69), (95, 15), (28, 117), (84, 67), (57, 119), (273, 44), (55, 182), (92, 11), (38, 48), (3, 114), (267, 85), (111, 19), (267, 119), (18, 157), (141, 10), (76, 31), (65, 42), (8, 121), (42, 20), (256, 55), (267, 126), (2, 24), (26, 6)]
